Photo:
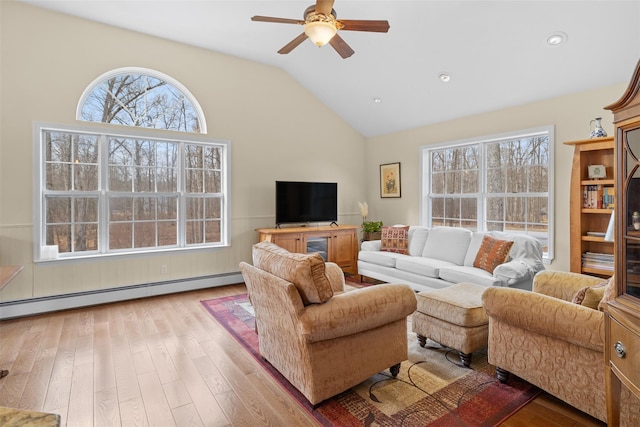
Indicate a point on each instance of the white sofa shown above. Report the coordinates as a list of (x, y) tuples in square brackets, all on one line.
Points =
[(441, 256)]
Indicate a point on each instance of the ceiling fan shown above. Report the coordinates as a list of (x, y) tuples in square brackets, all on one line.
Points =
[(321, 26)]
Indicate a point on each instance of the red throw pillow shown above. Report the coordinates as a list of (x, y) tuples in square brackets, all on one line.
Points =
[(492, 253), (395, 239)]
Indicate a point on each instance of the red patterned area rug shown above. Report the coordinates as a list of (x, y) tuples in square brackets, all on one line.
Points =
[(432, 388)]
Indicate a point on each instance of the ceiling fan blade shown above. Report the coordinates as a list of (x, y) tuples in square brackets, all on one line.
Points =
[(362, 25), (277, 20), (324, 6), (293, 44), (341, 46)]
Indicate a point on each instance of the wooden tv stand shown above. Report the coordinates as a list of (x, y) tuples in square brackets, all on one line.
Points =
[(337, 244)]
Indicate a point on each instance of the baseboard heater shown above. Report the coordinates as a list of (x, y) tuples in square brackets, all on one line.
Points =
[(31, 306)]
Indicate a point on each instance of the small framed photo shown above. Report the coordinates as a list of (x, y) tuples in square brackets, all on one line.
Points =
[(597, 171), (390, 180)]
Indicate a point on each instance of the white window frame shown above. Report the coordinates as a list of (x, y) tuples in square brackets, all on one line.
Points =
[(425, 213), (144, 71), (43, 254)]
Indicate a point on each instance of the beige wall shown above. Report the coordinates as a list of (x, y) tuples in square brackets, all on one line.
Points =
[(569, 114), (48, 59)]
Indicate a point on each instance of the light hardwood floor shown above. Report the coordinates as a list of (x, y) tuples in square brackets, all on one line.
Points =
[(162, 361)]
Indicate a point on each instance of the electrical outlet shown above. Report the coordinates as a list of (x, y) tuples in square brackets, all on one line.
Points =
[(163, 269)]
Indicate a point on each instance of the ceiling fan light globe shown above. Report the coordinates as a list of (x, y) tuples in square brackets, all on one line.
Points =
[(320, 32)]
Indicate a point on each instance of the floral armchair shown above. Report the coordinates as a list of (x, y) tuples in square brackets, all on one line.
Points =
[(324, 340), (549, 341)]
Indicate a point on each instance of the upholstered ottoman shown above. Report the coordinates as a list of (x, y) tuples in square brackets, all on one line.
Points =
[(454, 317)]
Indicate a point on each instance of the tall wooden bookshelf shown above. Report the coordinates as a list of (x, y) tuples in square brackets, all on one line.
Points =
[(590, 207)]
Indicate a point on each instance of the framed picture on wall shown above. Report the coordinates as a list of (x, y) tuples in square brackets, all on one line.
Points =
[(390, 180)]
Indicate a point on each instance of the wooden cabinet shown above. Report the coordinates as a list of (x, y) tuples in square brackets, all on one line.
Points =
[(622, 319), (591, 205), (337, 244)]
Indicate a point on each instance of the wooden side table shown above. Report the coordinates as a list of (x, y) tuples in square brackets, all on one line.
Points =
[(7, 273)]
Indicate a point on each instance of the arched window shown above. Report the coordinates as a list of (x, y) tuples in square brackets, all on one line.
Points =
[(109, 190), (143, 98)]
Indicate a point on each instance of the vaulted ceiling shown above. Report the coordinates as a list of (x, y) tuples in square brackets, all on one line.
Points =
[(495, 52)]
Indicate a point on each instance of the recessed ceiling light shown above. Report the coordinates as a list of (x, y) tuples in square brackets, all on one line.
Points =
[(377, 100), (557, 38), (444, 77)]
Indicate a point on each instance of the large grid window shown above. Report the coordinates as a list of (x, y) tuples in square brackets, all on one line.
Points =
[(105, 189), (500, 183), (108, 193)]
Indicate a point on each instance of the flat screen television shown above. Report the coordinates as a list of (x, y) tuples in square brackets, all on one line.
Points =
[(302, 202)]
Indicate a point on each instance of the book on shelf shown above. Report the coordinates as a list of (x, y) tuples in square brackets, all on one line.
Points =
[(597, 260), (598, 197)]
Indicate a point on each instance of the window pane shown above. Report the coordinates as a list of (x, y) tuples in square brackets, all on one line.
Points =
[(494, 156), (436, 222), (453, 182), (537, 211), (495, 209), (495, 180), (86, 177), (167, 180), (168, 208), (452, 208), (213, 209), (437, 208), (438, 163), (469, 213), (58, 177), (144, 234), (166, 154), (121, 151), (59, 235), (145, 154), (538, 179), (195, 208), (471, 157), (145, 180), (212, 182), (495, 226), (145, 208), (120, 235), (120, 178), (212, 156), (517, 179), (212, 231), (86, 237), (58, 147), (85, 209), (195, 182), (167, 233), (514, 227), (193, 156), (437, 183), (194, 232), (515, 209), (85, 149), (58, 210), (121, 209), (470, 182)]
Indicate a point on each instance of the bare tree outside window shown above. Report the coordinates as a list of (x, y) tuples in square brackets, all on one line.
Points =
[(492, 185), (143, 101), (106, 191)]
